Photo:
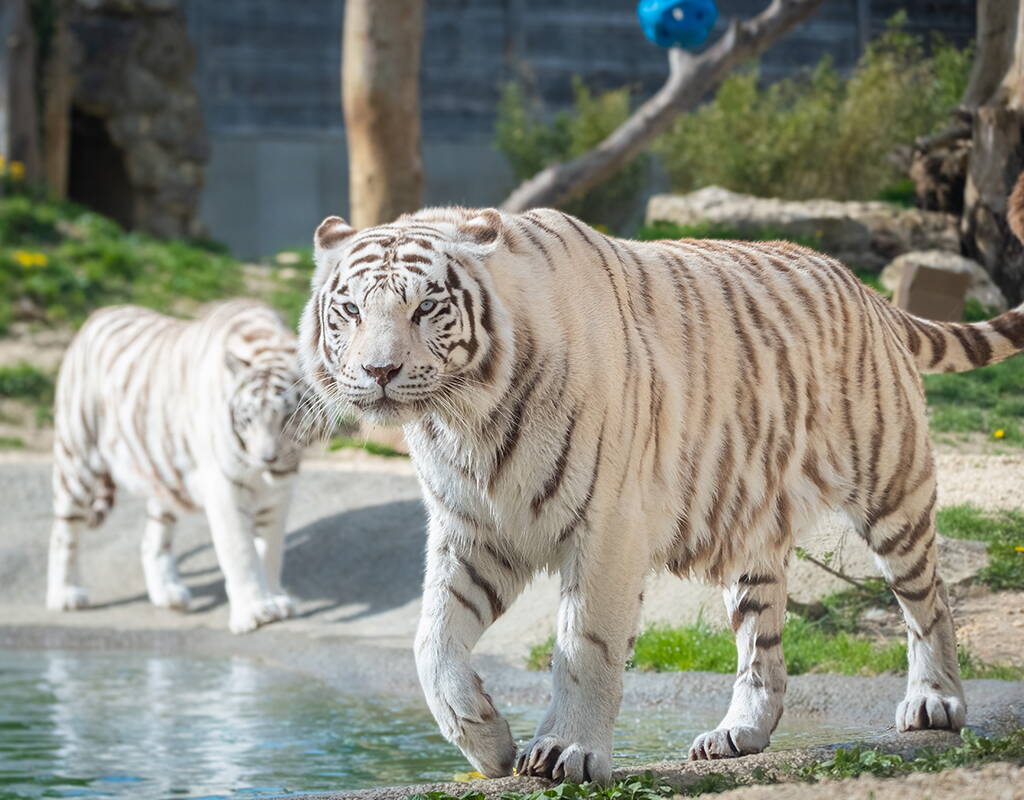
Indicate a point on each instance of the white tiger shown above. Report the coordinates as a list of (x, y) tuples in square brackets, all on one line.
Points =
[(602, 407), (188, 415)]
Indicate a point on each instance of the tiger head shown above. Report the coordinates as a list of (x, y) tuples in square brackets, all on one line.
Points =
[(265, 396), (402, 316)]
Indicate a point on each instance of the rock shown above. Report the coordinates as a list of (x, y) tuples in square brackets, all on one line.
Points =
[(932, 293), (980, 287), (134, 67), (864, 235)]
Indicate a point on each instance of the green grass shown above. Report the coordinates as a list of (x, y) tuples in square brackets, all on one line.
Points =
[(981, 401), (58, 262), (845, 763), (25, 382), (974, 751), (1004, 533), (826, 644), (377, 449), (636, 787), (292, 285), (808, 647), (11, 443)]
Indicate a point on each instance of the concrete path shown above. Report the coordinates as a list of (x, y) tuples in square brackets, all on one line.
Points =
[(354, 559)]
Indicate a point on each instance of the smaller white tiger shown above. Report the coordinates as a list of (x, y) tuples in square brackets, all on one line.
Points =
[(189, 415)]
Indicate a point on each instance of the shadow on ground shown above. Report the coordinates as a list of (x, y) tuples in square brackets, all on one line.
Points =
[(369, 557)]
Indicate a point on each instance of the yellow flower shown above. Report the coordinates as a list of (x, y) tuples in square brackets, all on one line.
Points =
[(3, 161), (29, 259), (999, 434), (17, 170), (466, 777), (1019, 549)]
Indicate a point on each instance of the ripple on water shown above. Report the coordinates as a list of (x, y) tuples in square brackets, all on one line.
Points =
[(126, 725)]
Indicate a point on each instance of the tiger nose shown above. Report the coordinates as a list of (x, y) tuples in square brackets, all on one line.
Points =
[(382, 374)]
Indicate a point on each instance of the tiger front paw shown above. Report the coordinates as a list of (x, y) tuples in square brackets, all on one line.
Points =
[(930, 710), (248, 616), (171, 595), (67, 598), (728, 743), (558, 759)]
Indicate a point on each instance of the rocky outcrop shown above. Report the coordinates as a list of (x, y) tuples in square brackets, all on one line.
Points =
[(133, 67), (864, 235), (980, 288)]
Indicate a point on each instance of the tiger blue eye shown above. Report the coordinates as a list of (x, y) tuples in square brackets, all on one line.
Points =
[(352, 309), (427, 306)]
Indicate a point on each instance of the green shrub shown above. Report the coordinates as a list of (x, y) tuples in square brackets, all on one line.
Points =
[(58, 262), (529, 144), (25, 382), (820, 135)]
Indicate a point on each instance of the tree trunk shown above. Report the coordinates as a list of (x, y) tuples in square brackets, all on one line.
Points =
[(996, 43), (997, 154), (19, 121), (380, 93), (58, 87)]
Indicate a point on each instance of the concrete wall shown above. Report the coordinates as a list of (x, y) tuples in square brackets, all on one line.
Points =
[(268, 76), (266, 192)]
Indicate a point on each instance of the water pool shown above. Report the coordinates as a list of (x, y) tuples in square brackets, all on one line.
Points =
[(129, 725)]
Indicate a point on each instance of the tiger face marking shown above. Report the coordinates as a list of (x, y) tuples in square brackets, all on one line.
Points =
[(398, 317), (263, 403)]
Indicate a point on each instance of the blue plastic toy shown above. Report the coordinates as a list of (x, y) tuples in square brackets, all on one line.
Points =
[(677, 23)]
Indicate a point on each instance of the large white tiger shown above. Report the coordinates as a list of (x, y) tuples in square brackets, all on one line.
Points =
[(603, 407), (188, 415)]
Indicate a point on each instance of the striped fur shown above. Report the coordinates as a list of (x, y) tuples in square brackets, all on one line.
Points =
[(187, 415), (604, 407)]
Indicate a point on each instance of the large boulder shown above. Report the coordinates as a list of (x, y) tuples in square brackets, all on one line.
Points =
[(980, 286), (864, 235)]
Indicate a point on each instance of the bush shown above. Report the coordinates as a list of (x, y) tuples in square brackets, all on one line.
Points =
[(58, 262), (530, 144), (25, 382), (820, 135)]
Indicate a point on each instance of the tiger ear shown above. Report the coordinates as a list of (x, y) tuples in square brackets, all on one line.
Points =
[(483, 231), (331, 235)]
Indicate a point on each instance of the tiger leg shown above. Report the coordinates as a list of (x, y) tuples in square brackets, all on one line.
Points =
[(64, 590), (160, 568), (597, 618), (81, 498), (756, 604), (907, 555), (269, 523), (228, 509), (466, 588)]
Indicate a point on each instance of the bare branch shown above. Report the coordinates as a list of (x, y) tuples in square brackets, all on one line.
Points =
[(690, 77)]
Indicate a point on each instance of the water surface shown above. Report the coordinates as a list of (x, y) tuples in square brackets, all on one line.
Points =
[(129, 725)]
